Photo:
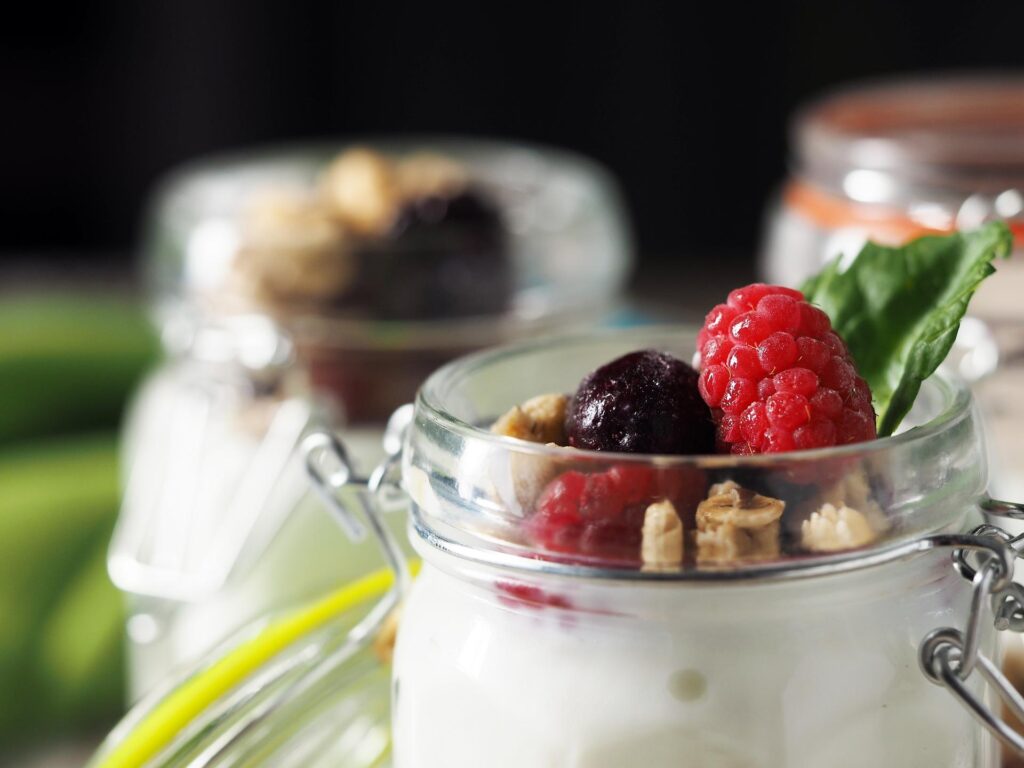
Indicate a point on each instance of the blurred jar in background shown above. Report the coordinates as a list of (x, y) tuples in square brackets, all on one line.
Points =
[(323, 283), (897, 159)]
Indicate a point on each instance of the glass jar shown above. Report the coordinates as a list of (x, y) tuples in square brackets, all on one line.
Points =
[(897, 159), (218, 525), (512, 653)]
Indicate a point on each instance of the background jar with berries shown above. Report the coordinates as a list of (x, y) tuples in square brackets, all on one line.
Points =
[(601, 588), (323, 283)]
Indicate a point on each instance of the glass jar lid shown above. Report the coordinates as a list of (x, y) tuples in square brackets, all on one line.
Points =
[(480, 495), (468, 240)]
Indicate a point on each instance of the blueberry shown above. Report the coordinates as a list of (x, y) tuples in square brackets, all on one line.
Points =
[(643, 402), (444, 257)]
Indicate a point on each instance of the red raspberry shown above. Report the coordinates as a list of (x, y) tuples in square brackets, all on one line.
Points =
[(601, 515), (777, 377)]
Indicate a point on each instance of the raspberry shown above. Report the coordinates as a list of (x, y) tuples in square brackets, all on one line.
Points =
[(601, 515), (777, 377)]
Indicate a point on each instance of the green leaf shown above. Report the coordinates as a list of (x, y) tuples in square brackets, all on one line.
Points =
[(898, 309)]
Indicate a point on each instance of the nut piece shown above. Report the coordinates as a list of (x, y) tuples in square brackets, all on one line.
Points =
[(361, 189), (425, 174), (735, 524), (384, 642), (530, 475), (835, 528), (854, 490), (292, 248), (729, 503), (540, 419), (662, 546)]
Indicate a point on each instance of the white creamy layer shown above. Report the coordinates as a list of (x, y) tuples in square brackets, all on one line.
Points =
[(820, 674)]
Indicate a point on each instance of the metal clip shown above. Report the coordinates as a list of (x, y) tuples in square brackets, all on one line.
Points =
[(331, 472), (948, 655)]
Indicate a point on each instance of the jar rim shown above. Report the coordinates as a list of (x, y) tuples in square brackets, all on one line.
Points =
[(430, 396), (465, 482)]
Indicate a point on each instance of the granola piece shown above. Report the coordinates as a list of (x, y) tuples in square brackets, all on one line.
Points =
[(540, 419), (662, 546), (854, 491), (735, 524), (530, 475), (729, 503), (361, 188), (293, 249), (384, 641), (425, 174), (831, 529)]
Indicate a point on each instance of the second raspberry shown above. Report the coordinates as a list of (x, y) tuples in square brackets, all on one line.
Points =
[(777, 377)]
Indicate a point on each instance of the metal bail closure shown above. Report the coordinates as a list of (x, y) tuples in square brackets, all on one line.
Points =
[(948, 655), (354, 501)]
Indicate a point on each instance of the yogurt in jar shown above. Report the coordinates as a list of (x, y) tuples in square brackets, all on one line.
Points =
[(490, 670)]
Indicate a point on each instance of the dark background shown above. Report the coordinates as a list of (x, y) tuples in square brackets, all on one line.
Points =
[(687, 104)]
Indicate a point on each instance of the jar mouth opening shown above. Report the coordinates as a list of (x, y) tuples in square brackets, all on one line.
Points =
[(436, 391)]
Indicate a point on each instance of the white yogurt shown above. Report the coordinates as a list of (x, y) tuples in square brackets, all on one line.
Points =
[(817, 672)]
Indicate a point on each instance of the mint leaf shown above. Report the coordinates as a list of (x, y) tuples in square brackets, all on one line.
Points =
[(898, 309)]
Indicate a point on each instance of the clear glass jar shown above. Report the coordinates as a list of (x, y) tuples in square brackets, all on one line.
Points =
[(510, 654), (896, 159), (218, 526)]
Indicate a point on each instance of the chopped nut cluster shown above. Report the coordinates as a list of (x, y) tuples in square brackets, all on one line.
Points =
[(734, 523), (293, 249), (384, 641), (361, 189), (661, 548), (540, 419), (831, 529), (299, 246), (854, 491)]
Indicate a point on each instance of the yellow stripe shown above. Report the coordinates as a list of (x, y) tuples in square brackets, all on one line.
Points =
[(179, 708)]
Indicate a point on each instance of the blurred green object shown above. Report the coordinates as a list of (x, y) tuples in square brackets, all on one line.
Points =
[(60, 638), (67, 368), (68, 363)]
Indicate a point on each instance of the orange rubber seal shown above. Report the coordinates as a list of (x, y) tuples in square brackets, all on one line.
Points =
[(886, 224)]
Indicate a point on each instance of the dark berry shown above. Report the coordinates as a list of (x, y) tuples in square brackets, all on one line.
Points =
[(643, 402), (444, 257)]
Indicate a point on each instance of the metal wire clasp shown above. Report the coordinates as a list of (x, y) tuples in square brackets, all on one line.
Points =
[(333, 477), (948, 656)]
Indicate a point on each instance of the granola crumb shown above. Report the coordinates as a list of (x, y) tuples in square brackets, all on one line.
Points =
[(832, 528), (734, 523), (540, 419), (661, 548), (426, 174), (292, 248), (530, 475), (361, 189), (384, 642)]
